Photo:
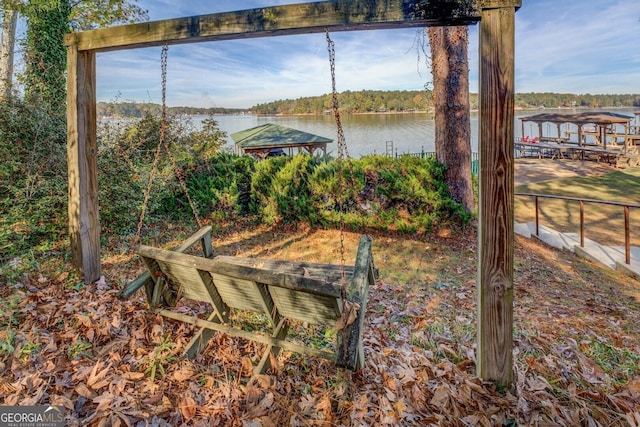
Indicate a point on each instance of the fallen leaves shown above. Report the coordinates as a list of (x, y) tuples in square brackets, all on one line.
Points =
[(419, 349)]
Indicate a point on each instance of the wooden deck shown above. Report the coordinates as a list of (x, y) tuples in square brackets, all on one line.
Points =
[(553, 150)]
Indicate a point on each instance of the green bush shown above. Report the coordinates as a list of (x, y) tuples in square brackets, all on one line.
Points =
[(406, 194), (220, 186), (408, 188), (290, 190), (262, 203), (127, 152), (33, 184)]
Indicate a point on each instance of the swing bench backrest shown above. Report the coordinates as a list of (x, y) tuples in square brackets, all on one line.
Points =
[(282, 291)]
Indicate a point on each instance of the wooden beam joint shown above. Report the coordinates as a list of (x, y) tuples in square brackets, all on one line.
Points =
[(498, 4)]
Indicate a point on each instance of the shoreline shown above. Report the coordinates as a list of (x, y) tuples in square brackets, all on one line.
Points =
[(429, 111)]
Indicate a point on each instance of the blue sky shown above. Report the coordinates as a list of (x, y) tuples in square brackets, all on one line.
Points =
[(575, 46)]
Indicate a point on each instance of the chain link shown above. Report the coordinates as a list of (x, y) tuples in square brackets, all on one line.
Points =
[(343, 155), (158, 150), (156, 156)]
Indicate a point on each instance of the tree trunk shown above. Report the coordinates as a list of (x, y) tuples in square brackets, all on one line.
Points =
[(450, 68), (9, 21)]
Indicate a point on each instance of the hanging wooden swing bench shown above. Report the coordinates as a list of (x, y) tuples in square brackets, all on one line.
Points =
[(334, 296), (282, 291)]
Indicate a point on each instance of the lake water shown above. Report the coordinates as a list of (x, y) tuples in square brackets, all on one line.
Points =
[(369, 133)]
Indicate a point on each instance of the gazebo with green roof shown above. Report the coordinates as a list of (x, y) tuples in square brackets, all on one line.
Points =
[(269, 138)]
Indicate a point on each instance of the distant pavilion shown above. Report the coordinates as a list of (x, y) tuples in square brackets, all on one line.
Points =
[(269, 139), (603, 126)]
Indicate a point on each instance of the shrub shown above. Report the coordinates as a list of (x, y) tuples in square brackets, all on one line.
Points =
[(221, 185), (262, 204), (127, 152), (33, 188)]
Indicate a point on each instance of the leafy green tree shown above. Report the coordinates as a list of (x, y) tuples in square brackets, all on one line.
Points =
[(91, 14), (207, 142), (47, 22), (45, 53)]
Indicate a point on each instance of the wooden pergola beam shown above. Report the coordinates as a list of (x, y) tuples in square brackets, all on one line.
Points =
[(303, 18)]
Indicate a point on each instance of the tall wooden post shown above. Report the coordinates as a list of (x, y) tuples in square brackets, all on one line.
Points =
[(84, 225), (496, 228)]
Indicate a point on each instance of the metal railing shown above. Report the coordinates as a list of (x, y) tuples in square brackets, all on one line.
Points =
[(581, 201), (426, 154)]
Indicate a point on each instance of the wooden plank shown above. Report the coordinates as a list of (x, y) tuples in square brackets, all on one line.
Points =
[(84, 225), (202, 236), (200, 339), (349, 348), (243, 294), (493, 4), (279, 332), (190, 282), (252, 336), (289, 281), (311, 308), (496, 196), (326, 272), (303, 18)]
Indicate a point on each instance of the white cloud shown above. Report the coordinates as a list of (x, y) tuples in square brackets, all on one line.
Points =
[(575, 46)]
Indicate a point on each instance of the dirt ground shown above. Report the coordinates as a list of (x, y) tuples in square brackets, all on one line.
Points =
[(536, 170)]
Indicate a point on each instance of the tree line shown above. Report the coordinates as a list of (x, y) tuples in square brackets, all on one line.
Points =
[(363, 101), (570, 100), (368, 101), (140, 109)]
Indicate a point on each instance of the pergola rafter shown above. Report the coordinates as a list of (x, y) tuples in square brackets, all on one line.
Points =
[(497, 28)]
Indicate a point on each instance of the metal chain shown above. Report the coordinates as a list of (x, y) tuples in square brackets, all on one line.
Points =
[(342, 152), (158, 150), (177, 171), (156, 157)]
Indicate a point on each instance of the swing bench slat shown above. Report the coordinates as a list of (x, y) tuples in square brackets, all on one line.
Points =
[(282, 291), (202, 237)]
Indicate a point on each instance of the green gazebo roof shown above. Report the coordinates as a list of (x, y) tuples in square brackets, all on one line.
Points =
[(276, 136)]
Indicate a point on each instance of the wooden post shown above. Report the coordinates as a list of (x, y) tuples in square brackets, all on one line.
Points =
[(496, 228), (84, 225)]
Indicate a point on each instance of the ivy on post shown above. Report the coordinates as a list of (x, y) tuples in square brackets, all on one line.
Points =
[(496, 193)]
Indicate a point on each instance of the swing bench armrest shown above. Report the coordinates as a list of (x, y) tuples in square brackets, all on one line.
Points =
[(350, 350), (202, 236)]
